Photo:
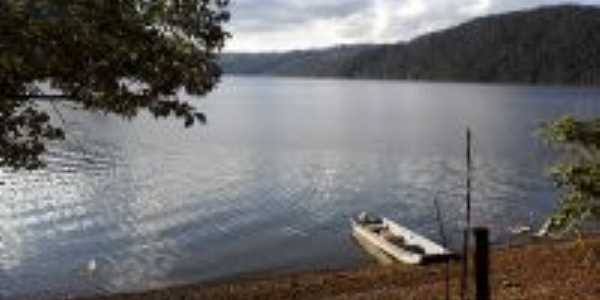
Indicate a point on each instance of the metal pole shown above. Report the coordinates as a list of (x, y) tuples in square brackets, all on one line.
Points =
[(467, 232), (468, 180), (482, 263)]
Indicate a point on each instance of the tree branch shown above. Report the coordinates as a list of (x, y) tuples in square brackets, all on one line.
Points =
[(39, 97)]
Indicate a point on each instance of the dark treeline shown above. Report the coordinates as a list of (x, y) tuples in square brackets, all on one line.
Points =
[(550, 45)]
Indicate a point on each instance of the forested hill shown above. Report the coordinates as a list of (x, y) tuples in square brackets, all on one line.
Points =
[(553, 45)]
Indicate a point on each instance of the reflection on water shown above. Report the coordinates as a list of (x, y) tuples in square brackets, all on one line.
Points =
[(270, 182)]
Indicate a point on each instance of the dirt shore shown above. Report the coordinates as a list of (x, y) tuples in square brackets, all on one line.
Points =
[(539, 270)]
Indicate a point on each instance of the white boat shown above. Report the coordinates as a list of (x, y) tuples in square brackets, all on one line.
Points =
[(397, 242)]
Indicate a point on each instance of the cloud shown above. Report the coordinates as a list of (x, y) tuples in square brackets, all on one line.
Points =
[(275, 25)]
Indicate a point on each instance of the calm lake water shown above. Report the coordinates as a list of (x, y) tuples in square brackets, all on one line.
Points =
[(269, 184)]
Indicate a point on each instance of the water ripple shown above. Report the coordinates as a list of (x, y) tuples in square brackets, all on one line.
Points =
[(154, 205)]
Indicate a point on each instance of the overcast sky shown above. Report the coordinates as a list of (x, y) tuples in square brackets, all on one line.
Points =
[(266, 25)]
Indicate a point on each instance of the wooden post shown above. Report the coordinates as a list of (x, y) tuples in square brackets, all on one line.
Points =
[(464, 282), (440, 219), (482, 263)]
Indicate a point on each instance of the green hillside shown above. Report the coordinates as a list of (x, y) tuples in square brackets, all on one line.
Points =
[(551, 45)]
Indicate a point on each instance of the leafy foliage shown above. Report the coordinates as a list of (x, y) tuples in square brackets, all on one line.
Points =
[(114, 56), (551, 45), (579, 176)]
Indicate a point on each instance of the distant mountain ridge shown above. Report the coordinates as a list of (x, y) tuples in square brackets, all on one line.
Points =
[(549, 45)]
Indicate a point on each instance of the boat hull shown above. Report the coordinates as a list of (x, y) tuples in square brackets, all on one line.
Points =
[(367, 235)]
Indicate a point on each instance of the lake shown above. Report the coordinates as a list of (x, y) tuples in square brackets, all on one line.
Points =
[(268, 185)]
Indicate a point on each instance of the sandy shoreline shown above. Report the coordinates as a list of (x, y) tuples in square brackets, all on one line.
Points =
[(538, 270)]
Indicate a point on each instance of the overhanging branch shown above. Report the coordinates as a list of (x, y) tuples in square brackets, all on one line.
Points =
[(38, 97)]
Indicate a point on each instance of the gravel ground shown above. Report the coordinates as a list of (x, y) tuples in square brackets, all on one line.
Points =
[(540, 270)]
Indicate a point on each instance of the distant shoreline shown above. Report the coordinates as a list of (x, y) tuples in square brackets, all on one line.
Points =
[(414, 81)]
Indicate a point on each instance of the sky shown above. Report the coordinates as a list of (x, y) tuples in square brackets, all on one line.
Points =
[(279, 25)]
